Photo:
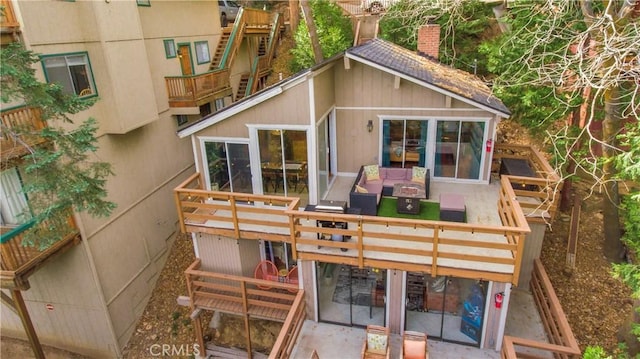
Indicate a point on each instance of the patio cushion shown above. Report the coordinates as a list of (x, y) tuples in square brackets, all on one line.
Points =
[(414, 349), (372, 172), (418, 174), (361, 189), (376, 343), (396, 174)]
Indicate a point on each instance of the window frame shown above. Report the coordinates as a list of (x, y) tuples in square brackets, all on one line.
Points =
[(91, 79), (146, 3), (197, 45), (170, 49)]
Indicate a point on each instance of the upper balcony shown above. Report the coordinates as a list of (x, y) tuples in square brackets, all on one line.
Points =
[(9, 25), (28, 123), (19, 261), (196, 90), (489, 247)]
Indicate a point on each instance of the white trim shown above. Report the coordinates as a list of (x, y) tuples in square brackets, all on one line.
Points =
[(503, 315), (426, 84), (195, 153), (314, 271), (364, 108), (220, 116), (312, 167), (403, 300), (322, 69), (196, 252)]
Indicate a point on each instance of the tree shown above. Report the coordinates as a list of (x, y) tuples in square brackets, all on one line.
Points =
[(464, 30), (334, 34), (58, 176)]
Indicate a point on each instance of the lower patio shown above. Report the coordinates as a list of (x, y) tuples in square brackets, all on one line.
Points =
[(335, 341)]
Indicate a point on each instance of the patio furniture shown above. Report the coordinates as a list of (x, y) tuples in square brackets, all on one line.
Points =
[(452, 207), (518, 167), (266, 270), (376, 343), (414, 345), (409, 195), (374, 181), (292, 278)]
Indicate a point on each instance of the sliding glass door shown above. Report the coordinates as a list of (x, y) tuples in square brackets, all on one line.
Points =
[(228, 166), (404, 142), (459, 146), (283, 161)]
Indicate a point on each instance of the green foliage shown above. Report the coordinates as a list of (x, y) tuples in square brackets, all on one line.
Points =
[(595, 352), (461, 33), (334, 34), (58, 176)]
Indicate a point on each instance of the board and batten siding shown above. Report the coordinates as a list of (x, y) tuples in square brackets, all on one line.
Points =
[(532, 249), (324, 89), (493, 317), (227, 255), (77, 314)]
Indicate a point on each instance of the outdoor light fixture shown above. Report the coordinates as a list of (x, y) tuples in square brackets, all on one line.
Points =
[(370, 125)]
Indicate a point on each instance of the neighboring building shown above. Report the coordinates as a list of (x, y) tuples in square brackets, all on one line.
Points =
[(151, 64), (262, 160)]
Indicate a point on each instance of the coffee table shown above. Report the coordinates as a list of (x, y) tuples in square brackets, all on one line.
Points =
[(409, 195)]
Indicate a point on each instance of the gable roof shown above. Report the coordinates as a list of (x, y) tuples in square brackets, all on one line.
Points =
[(392, 58), (387, 57)]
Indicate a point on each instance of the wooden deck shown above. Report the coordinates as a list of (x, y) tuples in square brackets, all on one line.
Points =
[(467, 250)]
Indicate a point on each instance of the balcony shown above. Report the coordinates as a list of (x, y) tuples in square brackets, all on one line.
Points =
[(19, 261), (196, 90), (27, 123), (9, 25)]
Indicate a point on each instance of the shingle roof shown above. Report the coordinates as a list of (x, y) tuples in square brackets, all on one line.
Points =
[(409, 63)]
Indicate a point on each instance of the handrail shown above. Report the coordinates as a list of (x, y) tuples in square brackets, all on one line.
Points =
[(291, 328), (7, 16), (195, 87), (563, 343), (252, 77), (541, 191), (436, 247)]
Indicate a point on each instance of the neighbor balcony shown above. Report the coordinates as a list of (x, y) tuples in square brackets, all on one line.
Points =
[(193, 91), (19, 261), (21, 128)]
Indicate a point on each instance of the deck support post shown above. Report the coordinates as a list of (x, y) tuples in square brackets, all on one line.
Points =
[(197, 325), (27, 324)]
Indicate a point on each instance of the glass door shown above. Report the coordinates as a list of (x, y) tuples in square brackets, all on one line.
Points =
[(228, 166), (283, 162), (351, 296), (323, 157), (459, 146), (404, 143), (448, 308)]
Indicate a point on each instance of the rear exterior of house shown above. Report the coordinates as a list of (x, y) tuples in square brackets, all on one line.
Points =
[(375, 104), (129, 54)]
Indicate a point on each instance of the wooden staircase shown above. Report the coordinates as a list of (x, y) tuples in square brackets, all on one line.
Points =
[(242, 87), (224, 39)]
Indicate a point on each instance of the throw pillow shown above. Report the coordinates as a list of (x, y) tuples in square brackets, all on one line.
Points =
[(361, 189), (377, 343), (414, 349), (372, 172), (418, 174)]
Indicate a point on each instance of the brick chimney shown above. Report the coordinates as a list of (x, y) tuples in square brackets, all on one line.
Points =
[(429, 40)]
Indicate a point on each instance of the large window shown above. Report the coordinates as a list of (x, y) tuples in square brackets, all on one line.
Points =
[(404, 142), (202, 52), (72, 72)]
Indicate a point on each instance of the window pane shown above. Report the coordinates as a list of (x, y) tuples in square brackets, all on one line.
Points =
[(80, 80), (60, 76)]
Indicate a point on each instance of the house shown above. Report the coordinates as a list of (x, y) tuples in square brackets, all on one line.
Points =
[(375, 104), (153, 66)]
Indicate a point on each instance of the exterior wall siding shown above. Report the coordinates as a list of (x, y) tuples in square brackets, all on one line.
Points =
[(532, 249), (323, 88), (128, 249), (493, 317)]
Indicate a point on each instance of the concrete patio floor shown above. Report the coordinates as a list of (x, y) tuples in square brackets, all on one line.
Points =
[(335, 341)]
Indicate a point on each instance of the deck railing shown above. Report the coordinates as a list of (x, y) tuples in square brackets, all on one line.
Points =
[(563, 344), (187, 91), (244, 296), (7, 16), (18, 260), (20, 130), (436, 247), (288, 336), (538, 196)]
